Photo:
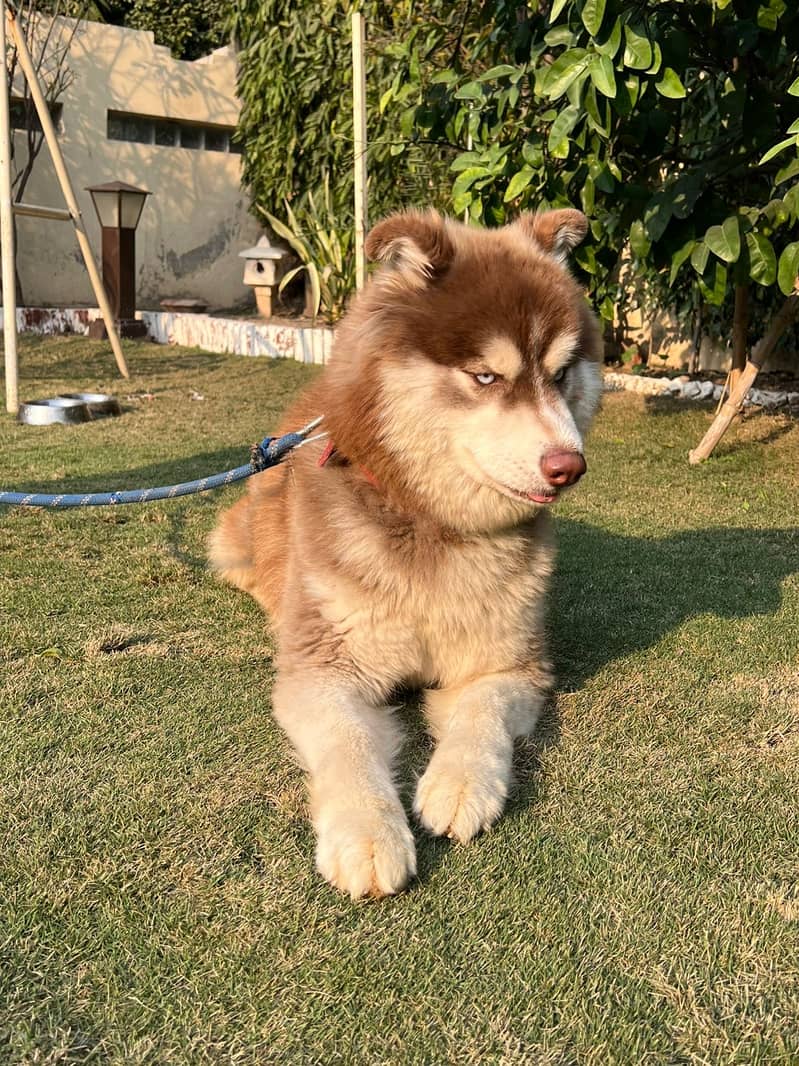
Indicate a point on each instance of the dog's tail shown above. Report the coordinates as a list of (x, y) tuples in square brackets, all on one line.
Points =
[(229, 546)]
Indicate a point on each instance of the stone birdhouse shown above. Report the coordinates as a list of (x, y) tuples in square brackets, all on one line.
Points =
[(263, 269)]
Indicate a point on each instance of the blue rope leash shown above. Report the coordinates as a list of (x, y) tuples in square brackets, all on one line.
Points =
[(270, 452)]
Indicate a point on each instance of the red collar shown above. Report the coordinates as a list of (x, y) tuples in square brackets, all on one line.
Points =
[(330, 451)]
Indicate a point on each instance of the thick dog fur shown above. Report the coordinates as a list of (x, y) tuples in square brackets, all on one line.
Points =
[(419, 552)]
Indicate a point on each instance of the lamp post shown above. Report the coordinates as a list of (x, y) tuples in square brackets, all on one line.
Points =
[(119, 207)]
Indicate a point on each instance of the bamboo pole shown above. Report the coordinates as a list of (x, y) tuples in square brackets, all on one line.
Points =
[(9, 281), (59, 214), (730, 409), (359, 146), (28, 69)]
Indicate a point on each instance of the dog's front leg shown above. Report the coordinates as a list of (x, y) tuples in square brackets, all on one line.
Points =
[(466, 783), (347, 745)]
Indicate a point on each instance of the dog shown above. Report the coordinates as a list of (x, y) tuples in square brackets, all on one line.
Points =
[(414, 547)]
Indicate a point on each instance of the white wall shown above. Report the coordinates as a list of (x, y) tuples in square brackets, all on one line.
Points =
[(197, 219)]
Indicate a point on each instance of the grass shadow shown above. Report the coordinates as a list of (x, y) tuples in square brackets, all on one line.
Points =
[(614, 595), (85, 360)]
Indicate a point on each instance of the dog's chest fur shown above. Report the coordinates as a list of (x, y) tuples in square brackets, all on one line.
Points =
[(405, 604)]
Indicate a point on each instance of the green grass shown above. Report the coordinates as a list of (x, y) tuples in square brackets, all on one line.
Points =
[(158, 903)]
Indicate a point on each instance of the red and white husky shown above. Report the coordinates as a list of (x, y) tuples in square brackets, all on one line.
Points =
[(413, 547)]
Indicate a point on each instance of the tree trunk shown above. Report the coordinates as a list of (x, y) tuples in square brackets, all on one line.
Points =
[(730, 409), (740, 328), (696, 340)]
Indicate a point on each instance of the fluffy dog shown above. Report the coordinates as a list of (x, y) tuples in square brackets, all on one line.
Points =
[(413, 547)]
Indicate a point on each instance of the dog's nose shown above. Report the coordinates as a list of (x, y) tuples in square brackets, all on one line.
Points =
[(562, 468)]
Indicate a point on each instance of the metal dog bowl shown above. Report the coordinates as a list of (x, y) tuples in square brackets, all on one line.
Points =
[(98, 403), (58, 409), (68, 408)]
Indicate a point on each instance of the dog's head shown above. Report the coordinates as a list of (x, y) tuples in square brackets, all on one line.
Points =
[(468, 369)]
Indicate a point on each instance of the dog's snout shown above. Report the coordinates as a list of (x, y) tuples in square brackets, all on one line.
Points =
[(562, 468)]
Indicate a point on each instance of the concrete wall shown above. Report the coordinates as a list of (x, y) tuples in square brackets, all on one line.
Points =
[(197, 219)]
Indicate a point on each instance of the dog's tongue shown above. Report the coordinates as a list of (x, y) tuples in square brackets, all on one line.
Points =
[(540, 499)]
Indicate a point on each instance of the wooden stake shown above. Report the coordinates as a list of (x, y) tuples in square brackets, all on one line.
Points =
[(730, 409), (28, 69), (359, 146), (7, 236)]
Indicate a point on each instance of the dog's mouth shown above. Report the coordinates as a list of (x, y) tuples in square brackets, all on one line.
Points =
[(543, 499)]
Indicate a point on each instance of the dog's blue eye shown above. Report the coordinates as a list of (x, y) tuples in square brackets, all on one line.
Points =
[(559, 375), (485, 379)]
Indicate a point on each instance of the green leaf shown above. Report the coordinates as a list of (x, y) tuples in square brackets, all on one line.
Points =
[(762, 260), (637, 50), (777, 148), (670, 85), (585, 257), (559, 36), (466, 179), (686, 191), (607, 309), (316, 288), (289, 276), (627, 92), (725, 240), (610, 46), (385, 99), (790, 170), (587, 195), (500, 71), (558, 142), (466, 160), (777, 212), (793, 88), (767, 18), (470, 91), (657, 59), (659, 212), (788, 268), (713, 285), (600, 123), (791, 201), (533, 154), (639, 241), (460, 203), (518, 183), (699, 257), (557, 7), (592, 14), (566, 68), (604, 180), (679, 258), (282, 230), (602, 75)]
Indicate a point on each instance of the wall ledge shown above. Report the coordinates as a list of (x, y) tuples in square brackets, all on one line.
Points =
[(224, 336)]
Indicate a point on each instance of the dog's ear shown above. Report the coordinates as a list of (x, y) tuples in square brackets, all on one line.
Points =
[(557, 232), (415, 243)]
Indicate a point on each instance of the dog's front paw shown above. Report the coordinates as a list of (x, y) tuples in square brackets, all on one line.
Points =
[(366, 852), (459, 797)]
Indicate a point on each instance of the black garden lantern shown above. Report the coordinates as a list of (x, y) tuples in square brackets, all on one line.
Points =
[(119, 207)]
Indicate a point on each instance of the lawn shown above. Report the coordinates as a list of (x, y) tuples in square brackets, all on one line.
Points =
[(638, 904)]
